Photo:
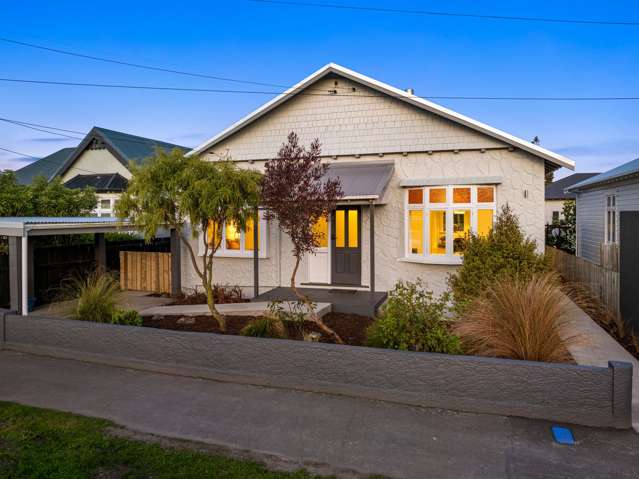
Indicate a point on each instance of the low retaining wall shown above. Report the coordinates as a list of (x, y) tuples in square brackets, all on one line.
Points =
[(585, 395)]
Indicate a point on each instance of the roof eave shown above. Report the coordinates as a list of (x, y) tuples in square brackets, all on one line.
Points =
[(531, 148)]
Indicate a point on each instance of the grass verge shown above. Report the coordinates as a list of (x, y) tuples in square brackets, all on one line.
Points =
[(38, 443)]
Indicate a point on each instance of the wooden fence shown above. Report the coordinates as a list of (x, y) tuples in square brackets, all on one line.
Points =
[(145, 271), (602, 281)]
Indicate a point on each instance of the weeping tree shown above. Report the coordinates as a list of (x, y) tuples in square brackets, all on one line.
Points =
[(296, 194), (195, 198)]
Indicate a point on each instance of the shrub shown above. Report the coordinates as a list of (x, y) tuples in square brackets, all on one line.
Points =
[(413, 319), (518, 319), (504, 253), (265, 327), (129, 317), (95, 297)]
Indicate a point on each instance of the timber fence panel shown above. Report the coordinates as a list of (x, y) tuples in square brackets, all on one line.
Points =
[(145, 271)]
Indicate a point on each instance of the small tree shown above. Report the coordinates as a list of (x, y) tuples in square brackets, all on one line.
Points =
[(189, 194), (504, 253), (295, 193)]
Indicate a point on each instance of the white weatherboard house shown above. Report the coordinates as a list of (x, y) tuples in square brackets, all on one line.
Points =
[(417, 178)]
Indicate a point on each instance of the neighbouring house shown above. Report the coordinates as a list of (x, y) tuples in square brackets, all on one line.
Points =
[(600, 199), (101, 161), (556, 195), (417, 178)]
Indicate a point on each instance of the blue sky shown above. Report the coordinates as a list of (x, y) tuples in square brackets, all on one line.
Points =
[(282, 44)]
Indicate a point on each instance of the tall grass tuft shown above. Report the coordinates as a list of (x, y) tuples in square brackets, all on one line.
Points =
[(265, 327), (96, 297), (518, 319)]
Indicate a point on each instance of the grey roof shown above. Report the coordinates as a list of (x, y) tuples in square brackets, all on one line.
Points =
[(365, 180), (46, 166), (102, 183), (555, 190), (620, 172), (126, 148), (48, 225)]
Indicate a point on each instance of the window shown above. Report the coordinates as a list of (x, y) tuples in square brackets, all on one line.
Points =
[(105, 204), (611, 219), (320, 230), (439, 220), (233, 241), (555, 217)]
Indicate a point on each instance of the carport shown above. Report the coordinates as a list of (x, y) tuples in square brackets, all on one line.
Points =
[(20, 229)]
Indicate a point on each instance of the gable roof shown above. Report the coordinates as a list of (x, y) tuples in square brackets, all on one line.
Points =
[(333, 68), (555, 190), (621, 172), (123, 146), (47, 167), (102, 183)]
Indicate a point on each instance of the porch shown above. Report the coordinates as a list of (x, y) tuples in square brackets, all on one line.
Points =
[(347, 301)]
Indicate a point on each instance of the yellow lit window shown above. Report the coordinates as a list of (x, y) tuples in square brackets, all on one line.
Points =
[(415, 197), (461, 230), (353, 228), (437, 195), (248, 235), (232, 237), (484, 222), (437, 232), (340, 230), (213, 231), (320, 232), (416, 228), (461, 195), (485, 194)]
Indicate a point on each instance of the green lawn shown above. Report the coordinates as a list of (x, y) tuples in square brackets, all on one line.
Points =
[(38, 443)]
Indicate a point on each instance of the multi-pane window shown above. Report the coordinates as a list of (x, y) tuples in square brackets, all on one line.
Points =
[(439, 219), (611, 219), (233, 241)]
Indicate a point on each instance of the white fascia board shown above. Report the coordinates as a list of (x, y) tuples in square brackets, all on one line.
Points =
[(536, 150)]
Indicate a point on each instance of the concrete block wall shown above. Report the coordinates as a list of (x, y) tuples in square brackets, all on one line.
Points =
[(591, 396)]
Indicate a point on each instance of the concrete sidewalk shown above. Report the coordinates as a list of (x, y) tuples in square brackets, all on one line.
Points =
[(595, 347), (328, 434)]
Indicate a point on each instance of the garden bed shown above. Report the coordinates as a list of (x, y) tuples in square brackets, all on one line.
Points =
[(350, 327)]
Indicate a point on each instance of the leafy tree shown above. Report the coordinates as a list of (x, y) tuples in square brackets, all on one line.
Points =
[(193, 197), (504, 253), (296, 195), (43, 198), (570, 223)]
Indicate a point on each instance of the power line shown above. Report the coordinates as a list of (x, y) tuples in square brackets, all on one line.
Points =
[(42, 126), (446, 14), (26, 125), (328, 93), (18, 153), (137, 65)]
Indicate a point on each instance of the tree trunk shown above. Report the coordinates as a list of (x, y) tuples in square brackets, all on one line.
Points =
[(210, 301), (312, 315)]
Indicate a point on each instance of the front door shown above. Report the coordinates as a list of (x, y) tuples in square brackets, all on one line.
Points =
[(346, 246)]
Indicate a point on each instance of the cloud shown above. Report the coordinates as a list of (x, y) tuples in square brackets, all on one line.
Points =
[(14, 163), (50, 140), (601, 156)]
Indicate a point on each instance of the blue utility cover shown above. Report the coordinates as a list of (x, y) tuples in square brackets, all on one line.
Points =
[(563, 435)]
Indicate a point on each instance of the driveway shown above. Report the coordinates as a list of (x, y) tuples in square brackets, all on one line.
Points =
[(325, 433)]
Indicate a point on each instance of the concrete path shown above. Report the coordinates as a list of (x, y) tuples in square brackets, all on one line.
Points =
[(596, 347), (231, 309), (328, 434)]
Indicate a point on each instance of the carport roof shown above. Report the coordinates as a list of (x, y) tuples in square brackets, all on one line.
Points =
[(51, 225)]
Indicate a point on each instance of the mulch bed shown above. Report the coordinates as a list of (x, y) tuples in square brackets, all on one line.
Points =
[(350, 327)]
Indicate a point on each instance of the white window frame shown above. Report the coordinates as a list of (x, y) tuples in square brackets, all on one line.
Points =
[(449, 207), (223, 252), (611, 220), (105, 212)]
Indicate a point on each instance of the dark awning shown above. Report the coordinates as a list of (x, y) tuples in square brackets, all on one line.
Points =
[(362, 181), (103, 183)]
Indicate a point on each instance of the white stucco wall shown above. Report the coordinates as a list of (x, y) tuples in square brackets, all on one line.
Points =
[(360, 128), (553, 205), (96, 161)]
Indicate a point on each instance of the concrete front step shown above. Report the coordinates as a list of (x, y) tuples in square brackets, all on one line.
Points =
[(230, 309)]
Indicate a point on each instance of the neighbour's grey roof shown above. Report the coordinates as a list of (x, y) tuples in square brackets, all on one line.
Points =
[(126, 148), (46, 167), (362, 181), (102, 183), (620, 172), (48, 225), (555, 190)]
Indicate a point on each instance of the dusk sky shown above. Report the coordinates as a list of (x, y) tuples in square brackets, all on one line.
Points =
[(281, 44)]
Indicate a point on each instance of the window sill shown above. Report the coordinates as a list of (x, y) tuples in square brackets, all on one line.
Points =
[(239, 255), (445, 260)]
